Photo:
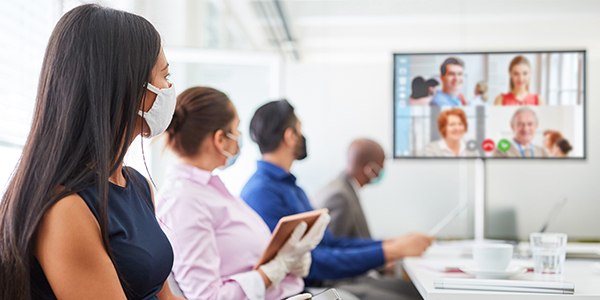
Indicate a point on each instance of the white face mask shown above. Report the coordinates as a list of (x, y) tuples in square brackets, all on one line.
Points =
[(160, 114)]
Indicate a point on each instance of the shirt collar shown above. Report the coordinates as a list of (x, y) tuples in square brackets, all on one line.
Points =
[(445, 148), (273, 170), (524, 151), (182, 170), (202, 177), (455, 100), (516, 143)]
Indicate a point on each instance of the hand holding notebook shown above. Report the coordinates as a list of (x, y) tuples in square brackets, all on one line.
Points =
[(291, 243), (288, 224)]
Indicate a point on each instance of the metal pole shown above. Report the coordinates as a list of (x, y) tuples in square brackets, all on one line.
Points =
[(479, 203)]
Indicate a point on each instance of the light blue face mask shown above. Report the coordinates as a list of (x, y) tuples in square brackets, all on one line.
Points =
[(379, 177), (232, 158), (376, 179)]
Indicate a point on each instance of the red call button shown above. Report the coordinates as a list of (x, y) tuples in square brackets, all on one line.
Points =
[(488, 145)]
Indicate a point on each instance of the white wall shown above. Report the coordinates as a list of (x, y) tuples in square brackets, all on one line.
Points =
[(343, 95), (342, 89)]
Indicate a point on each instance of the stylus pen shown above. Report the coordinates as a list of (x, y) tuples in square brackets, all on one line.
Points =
[(553, 213), (446, 220)]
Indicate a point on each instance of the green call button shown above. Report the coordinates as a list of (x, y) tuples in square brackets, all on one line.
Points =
[(504, 145)]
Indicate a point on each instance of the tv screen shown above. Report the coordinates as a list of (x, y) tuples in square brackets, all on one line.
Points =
[(490, 105)]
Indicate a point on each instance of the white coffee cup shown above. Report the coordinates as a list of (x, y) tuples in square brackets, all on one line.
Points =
[(492, 257)]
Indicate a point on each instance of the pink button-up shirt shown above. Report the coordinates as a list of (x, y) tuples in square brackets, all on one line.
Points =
[(216, 237)]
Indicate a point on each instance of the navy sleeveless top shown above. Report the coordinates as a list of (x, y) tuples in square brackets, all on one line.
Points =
[(142, 252)]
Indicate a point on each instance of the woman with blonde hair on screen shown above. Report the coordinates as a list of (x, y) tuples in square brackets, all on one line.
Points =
[(519, 71), (452, 124), (481, 96)]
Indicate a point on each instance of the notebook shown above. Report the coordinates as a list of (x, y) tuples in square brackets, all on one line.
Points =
[(284, 229), (497, 285)]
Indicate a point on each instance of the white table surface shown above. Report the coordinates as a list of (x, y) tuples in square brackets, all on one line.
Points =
[(585, 274)]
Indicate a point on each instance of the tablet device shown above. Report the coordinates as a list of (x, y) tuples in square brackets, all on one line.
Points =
[(329, 294), (284, 229)]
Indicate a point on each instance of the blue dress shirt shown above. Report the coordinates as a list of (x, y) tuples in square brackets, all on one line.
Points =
[(273, 193), (442, 99)]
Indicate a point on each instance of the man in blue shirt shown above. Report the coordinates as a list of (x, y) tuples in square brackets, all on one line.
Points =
[(273, 193), (451, 71)]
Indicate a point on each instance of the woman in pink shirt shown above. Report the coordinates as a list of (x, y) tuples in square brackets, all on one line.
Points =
[(519, 71), (216, 237)]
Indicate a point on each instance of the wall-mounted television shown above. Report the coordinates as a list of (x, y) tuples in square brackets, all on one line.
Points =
[(521, 105)]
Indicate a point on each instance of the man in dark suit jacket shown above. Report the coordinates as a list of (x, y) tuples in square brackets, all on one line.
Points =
[(365, 165)]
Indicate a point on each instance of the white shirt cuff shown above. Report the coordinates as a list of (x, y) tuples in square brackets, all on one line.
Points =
[(252, 284)]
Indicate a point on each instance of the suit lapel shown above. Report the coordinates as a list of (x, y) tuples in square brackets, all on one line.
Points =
[(357, 214)]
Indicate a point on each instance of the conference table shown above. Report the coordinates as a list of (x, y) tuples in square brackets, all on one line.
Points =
[(445, 260)]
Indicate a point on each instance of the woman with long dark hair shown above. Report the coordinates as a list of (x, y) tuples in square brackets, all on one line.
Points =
[(75, 223)]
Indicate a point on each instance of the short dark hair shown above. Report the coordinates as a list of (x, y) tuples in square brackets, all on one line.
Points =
[(270, 122), (451, 61), (418, 88), (431, 82)]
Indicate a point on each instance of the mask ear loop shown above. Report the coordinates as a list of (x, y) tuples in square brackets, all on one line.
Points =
[(370, 172), (223, 151), (142, 143), (372, 169)]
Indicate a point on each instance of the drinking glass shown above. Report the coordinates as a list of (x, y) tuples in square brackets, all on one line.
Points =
[(548, 251)]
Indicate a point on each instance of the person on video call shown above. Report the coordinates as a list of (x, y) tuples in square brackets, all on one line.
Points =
[(561, 148), (519, 71), (272, 191), (431, 86), (524, 124), (209, 227), (481, 96), (550, 138), (555, 144), (451, 74), (452, 125), (341, 196), (422, 91)]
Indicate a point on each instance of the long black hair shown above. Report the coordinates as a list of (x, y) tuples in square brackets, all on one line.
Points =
[(92, 83)]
